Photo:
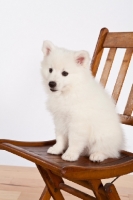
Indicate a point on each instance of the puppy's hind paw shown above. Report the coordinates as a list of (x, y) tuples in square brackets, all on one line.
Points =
[(97, 157)]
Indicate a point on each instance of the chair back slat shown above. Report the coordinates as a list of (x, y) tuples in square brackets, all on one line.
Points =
[(119, 40), (108, 65), (129, 106), (122, 74)]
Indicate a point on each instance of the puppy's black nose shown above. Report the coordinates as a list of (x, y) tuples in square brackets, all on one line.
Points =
[(52, 84)]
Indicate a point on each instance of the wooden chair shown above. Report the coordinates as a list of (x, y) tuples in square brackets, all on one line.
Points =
[(84, 172)]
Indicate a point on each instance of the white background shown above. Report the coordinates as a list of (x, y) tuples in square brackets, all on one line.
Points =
[(73, 24)]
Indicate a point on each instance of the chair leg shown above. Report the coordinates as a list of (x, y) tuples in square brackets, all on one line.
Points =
[(52, 181), (45, 195), (111, 191), (98, 189)]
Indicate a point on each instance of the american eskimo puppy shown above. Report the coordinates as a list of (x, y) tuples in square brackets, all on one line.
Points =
[(84, 115)]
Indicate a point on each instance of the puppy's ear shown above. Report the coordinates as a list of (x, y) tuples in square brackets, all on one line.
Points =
[(82, 58), (47, 47)]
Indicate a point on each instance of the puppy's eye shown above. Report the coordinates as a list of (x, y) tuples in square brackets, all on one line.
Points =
[(50, 70), (64, 73)]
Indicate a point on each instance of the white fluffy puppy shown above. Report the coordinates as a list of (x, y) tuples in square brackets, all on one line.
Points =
[(85, 119)]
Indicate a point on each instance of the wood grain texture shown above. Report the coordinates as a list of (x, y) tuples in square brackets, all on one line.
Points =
[(126, 119), (122, 74), (52, 181), (98, 51), (25, 183), (129, 106), (111, 192), (82, 169), (84, 172), (75, 192), (119, 40), (107, 67), (45, 194)]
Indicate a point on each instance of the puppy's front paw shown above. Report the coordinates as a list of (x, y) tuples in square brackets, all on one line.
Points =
[(70, 156), (55, 150), (97, 157)]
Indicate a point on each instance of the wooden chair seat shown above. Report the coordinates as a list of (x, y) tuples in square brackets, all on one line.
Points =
[(84, 172), (82, 169)]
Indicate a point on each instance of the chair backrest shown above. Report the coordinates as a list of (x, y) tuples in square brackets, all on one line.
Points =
[(113, 41)]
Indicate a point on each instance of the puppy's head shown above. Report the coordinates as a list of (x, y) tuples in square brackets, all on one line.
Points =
[(61, 68)]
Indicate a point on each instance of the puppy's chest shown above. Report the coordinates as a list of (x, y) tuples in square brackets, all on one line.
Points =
[(60, 105)]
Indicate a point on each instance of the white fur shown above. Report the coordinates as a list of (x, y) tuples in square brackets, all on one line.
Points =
[(85, 119)]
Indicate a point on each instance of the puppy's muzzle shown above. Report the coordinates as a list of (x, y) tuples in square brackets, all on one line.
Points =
[(52, 85)]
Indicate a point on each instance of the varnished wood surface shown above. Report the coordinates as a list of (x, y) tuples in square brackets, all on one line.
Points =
[(108, 65), (113, 41), (119, 40), (82, 169), (129, 106), (98, 51), (122, 74), (84, 172), (25, 183)]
